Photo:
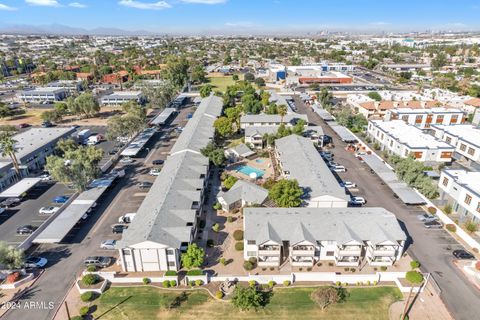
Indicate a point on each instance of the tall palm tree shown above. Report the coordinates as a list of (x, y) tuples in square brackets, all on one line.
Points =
[(7, 148), (282, 111)]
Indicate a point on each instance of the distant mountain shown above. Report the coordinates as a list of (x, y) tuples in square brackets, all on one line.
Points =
[(58, 29)]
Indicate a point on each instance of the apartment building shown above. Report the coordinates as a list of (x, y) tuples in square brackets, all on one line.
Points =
[(121, 97), (465, 138), (166, 221), (47, 94), (425, 118), (260, 120), (297, 158), (348, 237), (397, 137), (72, 86), (461, 189), (254, 135)]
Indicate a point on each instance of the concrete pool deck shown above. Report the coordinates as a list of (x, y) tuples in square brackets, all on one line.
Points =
[(265, 165)]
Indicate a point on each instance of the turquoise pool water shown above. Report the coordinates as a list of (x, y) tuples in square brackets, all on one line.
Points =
[(259, 161), (246, 170)]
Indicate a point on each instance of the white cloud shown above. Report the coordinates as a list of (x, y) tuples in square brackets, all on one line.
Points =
[(77, 5), (159, 5), (6, 8), (205, 1), (44, 3)]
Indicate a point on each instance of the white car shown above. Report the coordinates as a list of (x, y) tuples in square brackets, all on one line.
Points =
[(338, 169), (48, 210), (126, 160), (45, 178), (359, 154), (35, 262), (108, 244), (358, 200), (154, 172), (348, 184)]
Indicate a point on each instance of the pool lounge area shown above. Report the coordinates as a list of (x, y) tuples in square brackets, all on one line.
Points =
[(248, 170)]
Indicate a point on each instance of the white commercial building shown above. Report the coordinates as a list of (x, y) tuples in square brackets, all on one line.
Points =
[(121, 97), (397, 137), (465, 138)]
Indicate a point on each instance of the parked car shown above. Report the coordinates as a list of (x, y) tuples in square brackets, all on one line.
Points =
[(61, 199), (426, 217), (35, 262), (463, 255), (108, 244), (48, 210), (154, 172), (98, 261), (23, 125), (332, 164), (359, 154), (432, 225), (348, 184), (10, 202), (338, 169), (2, 210), (45, 177), (113, 151), (158, 162), (126, 160), (145, 185), (126, 218), (358, 200), (27, 229), (47, 124), (118, 228)]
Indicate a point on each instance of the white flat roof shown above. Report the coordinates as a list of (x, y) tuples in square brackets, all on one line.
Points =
[(470, 180), (465, 132), (20, 188)]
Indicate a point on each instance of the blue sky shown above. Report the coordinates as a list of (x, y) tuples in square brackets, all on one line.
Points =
[(197, 16)]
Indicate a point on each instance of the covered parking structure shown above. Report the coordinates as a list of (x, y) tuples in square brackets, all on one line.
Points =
[(324, 114), (56, 231), (344, 134), (399, 188), (20, 188), (138, 143), (164, 117)]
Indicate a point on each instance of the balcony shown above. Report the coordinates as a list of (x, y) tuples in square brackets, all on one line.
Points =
[(381, 261), (347, 261), (302, 262), (268, 261), (269, 251), (385, 251), (349, 251), (303, 251)]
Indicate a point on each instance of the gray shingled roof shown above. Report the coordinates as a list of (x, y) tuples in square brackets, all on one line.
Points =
[(261, 130), (273, 118), (242, 150), (321, 224), (302, 160), (245, 190)]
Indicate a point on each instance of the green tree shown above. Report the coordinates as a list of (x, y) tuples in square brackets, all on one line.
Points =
[(251, 104), (176, 70), (77, 167), (159, 96), (260, 82), (5, 111), (229, 182), (286, 193), (295, 61), (215, 154), (375, 96), (440, 60), (11, 257), (265, 98), (8, 148), (223, 126), (51, 116), (249, 77), (247, 298), (206, 90), (282, 111), (66, 145), (325, 296), (193, 257), (198, 74), (324, 96)]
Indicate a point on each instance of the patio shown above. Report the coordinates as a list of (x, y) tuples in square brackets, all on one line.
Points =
[(257, 164)]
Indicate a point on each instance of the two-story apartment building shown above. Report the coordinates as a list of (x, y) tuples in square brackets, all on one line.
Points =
[(397, 137), (254, 135), (304, 236), (465, 138), (47, 94), (461, 189), (166, 221), (72, 86), (298, 159), (425, 118), (261, 120), (121, 97)]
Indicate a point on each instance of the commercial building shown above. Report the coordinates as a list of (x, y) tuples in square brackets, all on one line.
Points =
[(298, 159), (465, 138), (397, 137), (121, 97), (304, 236), (47, 94), (305, 75), (461, 189), (424, 118), (166, 221)]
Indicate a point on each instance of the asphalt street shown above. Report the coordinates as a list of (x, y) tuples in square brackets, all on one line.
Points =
[(433, 248)]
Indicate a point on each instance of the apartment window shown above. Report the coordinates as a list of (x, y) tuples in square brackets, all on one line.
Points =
[(418, 119), (127, 253), (439, 119), (471, 151), (170, 252), (391, 143), (171, 263), (330, 253), (405, 118), (468, 199), (454, 119), (463, 147), (251, 242), (445, 182), (448, 139), (478, 207), (251, 254)]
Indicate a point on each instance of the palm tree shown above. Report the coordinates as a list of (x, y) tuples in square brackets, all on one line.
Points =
[(413, 278), (282, 111), (7, 148)]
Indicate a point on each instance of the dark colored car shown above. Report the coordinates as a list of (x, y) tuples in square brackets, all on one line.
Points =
[(145, 185), (10, 202), (433, 225), (118, 228), (157, 162), (47, 124), (113, 152), (463, 255), (28, 229), (23, 125), (98, 261)]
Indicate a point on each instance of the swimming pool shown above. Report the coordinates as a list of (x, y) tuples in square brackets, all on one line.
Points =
[(247, 170), (259, 161)]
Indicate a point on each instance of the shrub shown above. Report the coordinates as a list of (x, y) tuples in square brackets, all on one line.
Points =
[(252, 283), (229, 219), (326, 296), (198, 282), (171, 273), (471, 226), (195, 272), (432, 210), (217, 206), (353, 269), (359, 283), (191, 283), (146, 281), (216, 227), (173, 283), (309, 269), (90, 279), (451, 227), (368, 283), (383, 268), (375, 269), (222, 261), (448, 208), (414, 264), (475, 250), (375, 283), (219, 294), (286, 283), (247, 265), (272, 268), (166, 284), (271, 284), (346, 269), (238, 235), (252, 260), (330, 264), (376, 146), (84, 311), (319, 264), (239, 246), (345, 284), (338, 284), (300, 269), (87, 296), (210, 243), (13, 277), (91, 268)]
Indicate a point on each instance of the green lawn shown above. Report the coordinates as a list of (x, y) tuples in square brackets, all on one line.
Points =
[(221, 83), (292, 303)]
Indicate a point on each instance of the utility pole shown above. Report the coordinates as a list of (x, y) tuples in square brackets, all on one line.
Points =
[(66, 308)]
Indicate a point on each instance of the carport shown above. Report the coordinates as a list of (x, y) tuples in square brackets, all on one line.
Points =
[(66, 220), (344, 134), (138, 143), (324, 114), (20, 188), (399, 188)]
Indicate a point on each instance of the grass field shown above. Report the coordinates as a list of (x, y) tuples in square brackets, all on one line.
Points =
[(292, 303), (221, 83)]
